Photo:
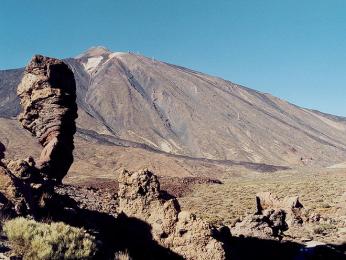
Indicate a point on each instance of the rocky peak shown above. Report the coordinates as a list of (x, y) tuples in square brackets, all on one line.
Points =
[(94, 52)]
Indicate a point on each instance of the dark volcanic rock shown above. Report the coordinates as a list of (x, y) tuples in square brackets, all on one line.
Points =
[(9, 101), (2, 151), (48, 93)]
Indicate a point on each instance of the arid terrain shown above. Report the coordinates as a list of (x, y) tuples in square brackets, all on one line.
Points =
[(320, 191), (213, 144), (136, 112), (128, 100)]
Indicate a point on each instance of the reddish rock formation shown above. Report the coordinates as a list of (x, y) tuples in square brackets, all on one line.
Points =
[(182, 232), (48, 93)]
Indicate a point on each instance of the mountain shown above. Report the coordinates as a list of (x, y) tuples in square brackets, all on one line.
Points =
[(160, 110)]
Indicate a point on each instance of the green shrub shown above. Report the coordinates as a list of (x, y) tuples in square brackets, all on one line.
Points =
[(49, 241)]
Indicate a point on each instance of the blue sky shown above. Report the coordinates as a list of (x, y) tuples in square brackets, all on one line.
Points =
[(295, 49)]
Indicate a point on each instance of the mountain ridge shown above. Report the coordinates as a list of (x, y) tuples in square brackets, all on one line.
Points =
[(183, 112)]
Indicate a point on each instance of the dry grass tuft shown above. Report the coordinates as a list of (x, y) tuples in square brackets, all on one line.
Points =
[(122, 256), (49, 241), (319, 192)]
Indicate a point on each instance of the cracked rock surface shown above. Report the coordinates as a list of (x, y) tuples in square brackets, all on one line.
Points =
[(47, 94), (182, 232)]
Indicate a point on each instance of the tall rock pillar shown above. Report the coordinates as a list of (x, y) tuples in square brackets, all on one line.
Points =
[(48, 96)]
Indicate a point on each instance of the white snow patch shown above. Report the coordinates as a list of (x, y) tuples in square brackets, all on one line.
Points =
[(116, 54), (92, 63)]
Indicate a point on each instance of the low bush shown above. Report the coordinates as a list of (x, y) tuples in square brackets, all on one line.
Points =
[(123, 255), (35, 240), (323, 229)]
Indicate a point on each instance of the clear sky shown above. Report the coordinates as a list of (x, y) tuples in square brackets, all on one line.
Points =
[(293, 49)]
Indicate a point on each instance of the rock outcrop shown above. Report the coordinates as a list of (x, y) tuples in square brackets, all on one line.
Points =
[(10, 198), (291, 205), (269, 224), (272, 217), (19, 185), (182, 232), (48, 96)]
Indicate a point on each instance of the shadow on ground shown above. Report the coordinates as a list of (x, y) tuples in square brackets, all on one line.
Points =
[(242, 248), (2, 151), (123, 233), (3, 248)]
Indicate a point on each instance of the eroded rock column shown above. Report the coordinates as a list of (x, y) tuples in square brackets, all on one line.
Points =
[(47, 93), (48, 96)]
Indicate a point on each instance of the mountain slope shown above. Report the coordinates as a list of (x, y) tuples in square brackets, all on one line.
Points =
[(131, 100)]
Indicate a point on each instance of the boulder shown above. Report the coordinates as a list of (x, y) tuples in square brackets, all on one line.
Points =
[(270, 224), (272, 218), (14, 197), (182, 232), (291, 205)]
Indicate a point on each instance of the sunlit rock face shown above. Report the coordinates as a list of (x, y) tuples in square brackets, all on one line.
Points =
[(48, 97), (47, 94), (182, 232)]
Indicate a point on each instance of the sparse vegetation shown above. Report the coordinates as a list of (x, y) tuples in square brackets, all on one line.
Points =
[(323, 229), (319, 191), (35, 240), (122, 256)]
